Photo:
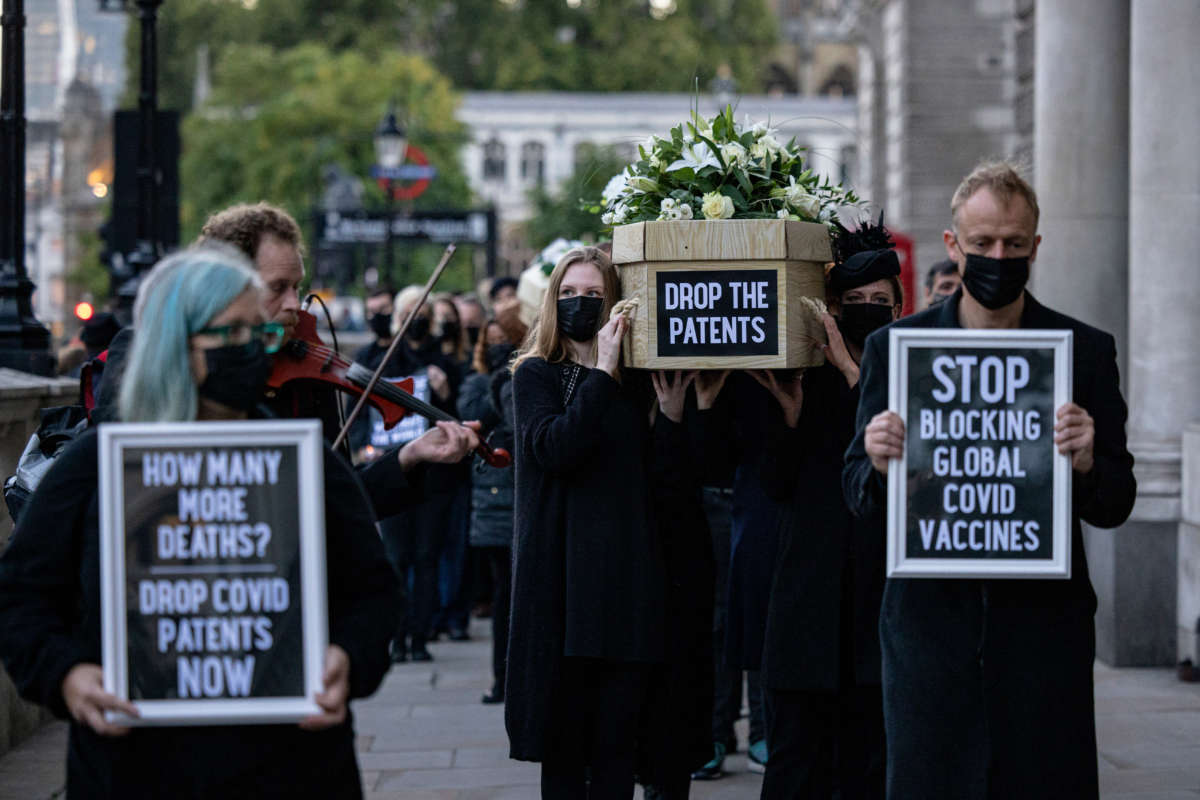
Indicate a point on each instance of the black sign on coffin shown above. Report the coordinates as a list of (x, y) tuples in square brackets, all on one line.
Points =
[(278, 669), (939, 438), (733, 312)]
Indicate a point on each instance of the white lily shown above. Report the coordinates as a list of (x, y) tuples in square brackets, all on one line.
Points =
[(696, 155)]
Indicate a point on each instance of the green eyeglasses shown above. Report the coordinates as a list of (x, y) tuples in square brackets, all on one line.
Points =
[(269, 333)]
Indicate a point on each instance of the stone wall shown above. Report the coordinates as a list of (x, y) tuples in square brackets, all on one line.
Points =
[(22, 397)]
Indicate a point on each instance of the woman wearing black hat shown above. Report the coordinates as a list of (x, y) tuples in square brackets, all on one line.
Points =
[(821, 656)]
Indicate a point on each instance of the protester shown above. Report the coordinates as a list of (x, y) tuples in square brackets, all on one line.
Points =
[(821, 653), (413, 536), (448, 329), (206, 361), (941, 281), (731, 433), (502, 290), (272, 240), (585, 539), (487, 396), (987, 684), (471, 313)]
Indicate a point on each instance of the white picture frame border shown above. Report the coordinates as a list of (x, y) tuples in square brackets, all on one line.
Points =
[(305, 435), (899, 563)]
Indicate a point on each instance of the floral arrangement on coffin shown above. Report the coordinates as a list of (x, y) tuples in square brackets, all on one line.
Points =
[(533, 281), (718, 169)]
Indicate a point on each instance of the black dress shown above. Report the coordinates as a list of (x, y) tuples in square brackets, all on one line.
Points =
[(588, 573), (50, 622), (821, 654), (987, 684)]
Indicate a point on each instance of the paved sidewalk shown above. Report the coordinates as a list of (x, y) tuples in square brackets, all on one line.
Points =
[(426, 736)]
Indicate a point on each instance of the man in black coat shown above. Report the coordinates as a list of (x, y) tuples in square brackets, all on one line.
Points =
[(988, 683)]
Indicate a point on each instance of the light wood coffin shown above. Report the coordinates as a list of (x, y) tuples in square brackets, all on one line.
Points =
[(723, 294)]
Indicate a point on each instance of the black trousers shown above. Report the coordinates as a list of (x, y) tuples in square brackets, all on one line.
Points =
[(592, 730), (819, 741), (499, 561), (413, 541)]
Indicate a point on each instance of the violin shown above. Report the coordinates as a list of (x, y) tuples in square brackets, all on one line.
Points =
[(306, 358)]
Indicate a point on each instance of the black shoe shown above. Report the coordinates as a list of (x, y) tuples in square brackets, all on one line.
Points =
[(714, 768), (494, 697), (459, 635), (398, 653), (420, 653)]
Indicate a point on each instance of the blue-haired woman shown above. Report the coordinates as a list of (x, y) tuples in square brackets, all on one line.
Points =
[(205, 360)]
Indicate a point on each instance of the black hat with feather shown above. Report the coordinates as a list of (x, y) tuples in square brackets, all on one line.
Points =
[(861, 256)]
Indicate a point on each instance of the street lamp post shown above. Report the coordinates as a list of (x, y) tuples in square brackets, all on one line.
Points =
[(24, 342), (391, 145)]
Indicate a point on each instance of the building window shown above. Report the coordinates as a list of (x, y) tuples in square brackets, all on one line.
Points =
[(533, 162), (493, 160)]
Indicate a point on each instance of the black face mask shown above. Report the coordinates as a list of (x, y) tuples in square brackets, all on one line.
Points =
[(579, 317), (472, 334), (498, 356), (449, 332), (418, 329), (995, 282), (381, 325), (859, 320), (236, 374)]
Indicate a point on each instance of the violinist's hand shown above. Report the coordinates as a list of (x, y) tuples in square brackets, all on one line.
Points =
[(836, 352), (709, 383), (608, 343), (671, 389), (83, 692), (884, 439), (438, 382), (789, 393), (337, 692), (444, 443)]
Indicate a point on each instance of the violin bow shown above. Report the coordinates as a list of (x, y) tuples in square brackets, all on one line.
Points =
[(362, 399)]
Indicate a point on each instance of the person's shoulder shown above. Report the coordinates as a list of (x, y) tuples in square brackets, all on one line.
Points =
[(929, 318), (1087, 335), (534, 365)]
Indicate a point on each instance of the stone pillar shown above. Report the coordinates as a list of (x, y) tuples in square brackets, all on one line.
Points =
[(1081, 157), (1164, 328), (1188, 605)]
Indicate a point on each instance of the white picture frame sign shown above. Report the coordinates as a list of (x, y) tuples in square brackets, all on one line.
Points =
[(982, 491), (213, 595)]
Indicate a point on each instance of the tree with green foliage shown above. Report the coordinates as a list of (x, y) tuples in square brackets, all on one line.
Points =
[(571, 212), (542, 45), (277, 118)]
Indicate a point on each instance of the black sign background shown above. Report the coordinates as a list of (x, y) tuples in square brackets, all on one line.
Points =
[(1034, 493), (713, 321), (278, 671)]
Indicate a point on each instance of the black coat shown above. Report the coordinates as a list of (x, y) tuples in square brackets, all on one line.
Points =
[(823, 617), (588, 572), (50, 622), (489, 399), (988, 683), (731, 436)]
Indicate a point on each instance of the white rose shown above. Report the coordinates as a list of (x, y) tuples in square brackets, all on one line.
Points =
[(607, 218), (667, 204), (807, 204), (716, 206), (685, 211), (734, 154), (620, 213)]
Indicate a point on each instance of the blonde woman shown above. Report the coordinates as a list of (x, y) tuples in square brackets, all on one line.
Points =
[(588, 572)]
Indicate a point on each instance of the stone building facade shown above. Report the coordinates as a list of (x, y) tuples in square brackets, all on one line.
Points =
[(1101, 95)]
